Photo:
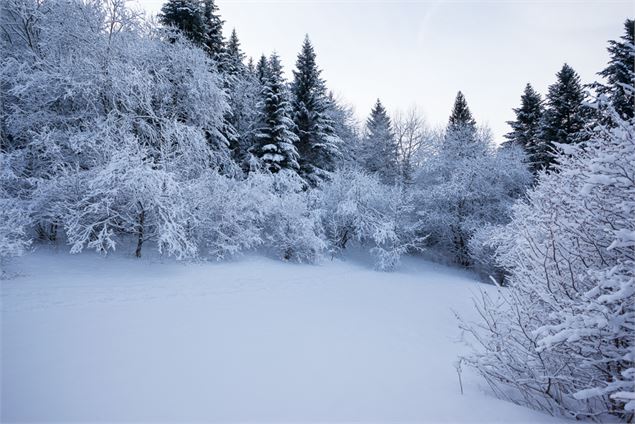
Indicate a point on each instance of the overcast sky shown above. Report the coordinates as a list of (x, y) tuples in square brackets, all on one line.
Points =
[(422, 52)]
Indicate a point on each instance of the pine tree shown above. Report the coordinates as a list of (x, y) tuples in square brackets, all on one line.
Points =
[(318, 145), (461, 117), (380, 147), (214, 41), (185, 15), (275, 139), (526, 128), (565, 117), (620, 73), (262, 70), (235, 56), (243, 90)]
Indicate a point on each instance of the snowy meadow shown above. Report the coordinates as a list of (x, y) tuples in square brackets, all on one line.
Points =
[(186, 235)]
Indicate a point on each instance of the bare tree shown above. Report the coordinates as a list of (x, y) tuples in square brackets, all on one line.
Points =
[(411, 133)]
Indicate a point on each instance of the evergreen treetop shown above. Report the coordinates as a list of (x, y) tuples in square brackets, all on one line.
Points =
[(527, 125), (620, 73), (461, 117), (275, 139)]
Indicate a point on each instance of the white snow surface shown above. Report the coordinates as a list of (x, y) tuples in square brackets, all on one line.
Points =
[(87, 338)]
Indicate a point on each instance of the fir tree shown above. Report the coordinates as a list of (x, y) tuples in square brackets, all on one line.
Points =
[(243, 91), (262, 70), (235, 56), (214, 41), (318, 145), (380, 153), (527, 125), (461, 117), (565, 117), (185, 15), (620, 73), (275, 139)]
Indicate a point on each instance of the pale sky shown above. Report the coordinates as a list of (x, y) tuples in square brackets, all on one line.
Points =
[(422, 52)]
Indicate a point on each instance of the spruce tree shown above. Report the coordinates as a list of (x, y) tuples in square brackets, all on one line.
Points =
[(527, 125), (620, 73), (184, 15), (318, 145), (214, 41), (275, 139), (243, 90), (380, 147), (235, 56), (565, 117), (461, 117), (262, 70)]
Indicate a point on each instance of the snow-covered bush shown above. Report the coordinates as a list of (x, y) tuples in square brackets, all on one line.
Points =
[(228, 213), (358, 207), (560, 338), (14, 217), (291, 225), (263, 210), (464, 185)]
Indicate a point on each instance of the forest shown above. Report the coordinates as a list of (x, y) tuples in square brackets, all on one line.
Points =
[(160, 134)]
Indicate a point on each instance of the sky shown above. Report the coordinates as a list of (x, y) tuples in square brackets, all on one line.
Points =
[(420, 53)]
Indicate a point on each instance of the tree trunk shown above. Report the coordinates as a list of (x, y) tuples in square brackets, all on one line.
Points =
[(142, 217)]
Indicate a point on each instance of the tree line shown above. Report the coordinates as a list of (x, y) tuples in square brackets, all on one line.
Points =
[(121, 133)]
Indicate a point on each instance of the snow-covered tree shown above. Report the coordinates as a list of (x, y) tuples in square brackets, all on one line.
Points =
[(380, 155), (113, 128), (213, 40), (357, 208), (347, 128), (184, 15), (14, 216), (318, 144), (411, 135), (526, 128), (465, 184), (244, 91), (461, 117), (560, 337), (620, 73), (262, 69), (275, 139), (565, 117)]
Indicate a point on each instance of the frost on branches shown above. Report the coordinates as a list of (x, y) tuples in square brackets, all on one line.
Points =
[(560, 338)]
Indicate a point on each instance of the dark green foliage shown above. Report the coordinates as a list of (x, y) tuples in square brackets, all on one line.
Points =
[(262, 69), (275, 139), (461, 117), (214, 42), (318, 145), (526, 128), (565, 117), (620, 73), (380, 148), (185, 15)]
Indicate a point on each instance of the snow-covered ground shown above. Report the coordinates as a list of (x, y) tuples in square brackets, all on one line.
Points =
[(86, 338)]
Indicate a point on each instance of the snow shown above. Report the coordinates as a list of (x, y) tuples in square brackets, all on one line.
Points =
[(87, 338)]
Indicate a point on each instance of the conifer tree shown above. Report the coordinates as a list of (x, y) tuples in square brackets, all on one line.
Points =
[(565, 117), (461, 117), (243, 92), (620, 73), (262, 69), (380, 148), (235, 56), (185, 15), (214, 41), (318, 145), (527, 125), (275, 139)]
